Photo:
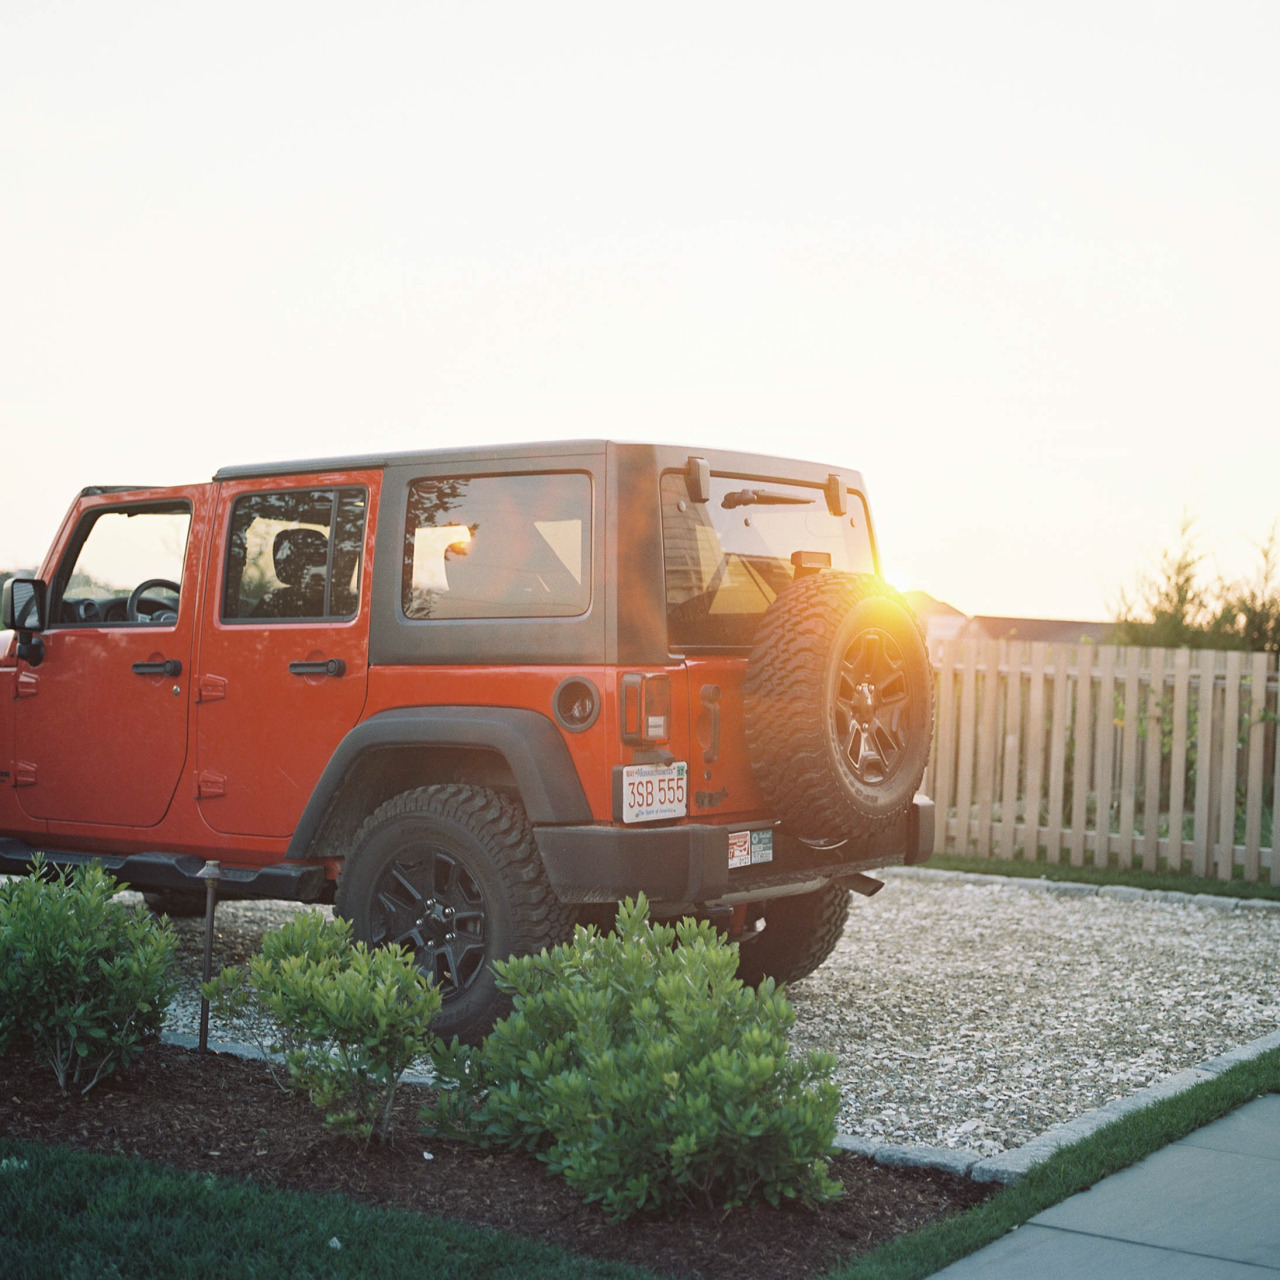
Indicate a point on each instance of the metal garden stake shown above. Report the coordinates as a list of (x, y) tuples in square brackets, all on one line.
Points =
[(210, 874)]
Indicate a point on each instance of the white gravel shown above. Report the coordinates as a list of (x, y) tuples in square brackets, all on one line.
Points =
[(979, 1015), (976, 1016)]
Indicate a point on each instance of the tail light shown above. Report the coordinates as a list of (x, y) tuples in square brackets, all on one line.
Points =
[(646, 709)]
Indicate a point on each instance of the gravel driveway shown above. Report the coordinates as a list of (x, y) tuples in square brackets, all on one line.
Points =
[(979, 1015)]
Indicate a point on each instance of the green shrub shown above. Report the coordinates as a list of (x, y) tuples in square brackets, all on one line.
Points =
[(647, 1074), (83, 977), (350, 1020)]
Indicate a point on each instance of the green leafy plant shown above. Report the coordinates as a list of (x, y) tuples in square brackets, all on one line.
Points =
[(84, 979), (647, 1074), (348, 1019)]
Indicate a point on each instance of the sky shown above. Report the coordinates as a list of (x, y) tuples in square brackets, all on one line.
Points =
[(1016, 263)]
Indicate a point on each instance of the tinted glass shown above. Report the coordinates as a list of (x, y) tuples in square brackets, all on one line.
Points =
[(294, 555), (498, 547), (728, 559)]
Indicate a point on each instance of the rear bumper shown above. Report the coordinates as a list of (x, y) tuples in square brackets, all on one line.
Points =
[(690, 864)]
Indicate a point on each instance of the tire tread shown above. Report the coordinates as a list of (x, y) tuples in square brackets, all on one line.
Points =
[(783, 696)]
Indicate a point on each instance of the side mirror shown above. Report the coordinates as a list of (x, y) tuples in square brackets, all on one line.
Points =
[(23, 609)]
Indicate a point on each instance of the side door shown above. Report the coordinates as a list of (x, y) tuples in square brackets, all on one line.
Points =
[(100, 727), (284, 653)]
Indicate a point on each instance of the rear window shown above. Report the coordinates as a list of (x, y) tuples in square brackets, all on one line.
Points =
[(728, 559), (498, 547)]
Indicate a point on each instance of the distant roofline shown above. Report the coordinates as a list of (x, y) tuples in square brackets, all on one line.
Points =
[(1057, 622)]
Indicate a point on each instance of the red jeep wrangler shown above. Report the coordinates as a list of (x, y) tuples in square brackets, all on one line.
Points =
[(472, 695)]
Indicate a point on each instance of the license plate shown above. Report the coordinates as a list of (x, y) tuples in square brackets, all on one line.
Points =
[(746, 847), (652, 791)]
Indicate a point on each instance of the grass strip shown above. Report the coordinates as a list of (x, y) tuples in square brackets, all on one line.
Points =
[(1075, 1168), (68, 1215), (1036, 869)]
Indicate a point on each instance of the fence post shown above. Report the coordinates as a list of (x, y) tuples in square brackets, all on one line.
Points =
[(1205, 763), (1275, 795), (1012, 744), (1230, 750), (1129, 756), (1151, 790), (1106, 750), (1178, 755), (1257, 749), (944, 744), (988, 733), (1034, 754), (964, 754), (1081, 740), (1057, 752)]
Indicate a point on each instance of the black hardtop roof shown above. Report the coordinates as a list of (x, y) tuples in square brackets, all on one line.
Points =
[(522, 452), (379, 461)]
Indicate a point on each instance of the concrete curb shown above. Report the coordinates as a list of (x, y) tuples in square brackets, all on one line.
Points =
[(1011, 1165), (241, 1049)]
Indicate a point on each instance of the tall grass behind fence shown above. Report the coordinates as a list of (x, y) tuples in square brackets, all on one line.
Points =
[(1159, 758)]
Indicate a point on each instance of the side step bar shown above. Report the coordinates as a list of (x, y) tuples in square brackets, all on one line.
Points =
[(291, 880)]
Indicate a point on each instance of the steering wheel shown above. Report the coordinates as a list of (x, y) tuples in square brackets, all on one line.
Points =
[(131, 609)]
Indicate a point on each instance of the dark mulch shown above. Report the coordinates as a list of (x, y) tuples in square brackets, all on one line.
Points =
[(221, 1114)]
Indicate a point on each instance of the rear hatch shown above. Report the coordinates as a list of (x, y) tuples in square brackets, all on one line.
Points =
[(732, 543)]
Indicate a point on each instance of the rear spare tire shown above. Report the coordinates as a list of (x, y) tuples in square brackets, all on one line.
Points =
[(838, 702)]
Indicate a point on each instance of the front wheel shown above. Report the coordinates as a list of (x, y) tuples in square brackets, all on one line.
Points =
[(452, 873), (177, 904)]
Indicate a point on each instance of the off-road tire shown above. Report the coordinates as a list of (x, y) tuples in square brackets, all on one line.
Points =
[(177, 904), (799, 934), (452, 872), (838, 705)]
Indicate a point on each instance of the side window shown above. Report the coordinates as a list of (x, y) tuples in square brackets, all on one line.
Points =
[(498, 547), (126, 568), (294, 556)]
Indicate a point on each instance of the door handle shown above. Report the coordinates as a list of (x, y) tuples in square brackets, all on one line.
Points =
[(326, 667), (169, 667)]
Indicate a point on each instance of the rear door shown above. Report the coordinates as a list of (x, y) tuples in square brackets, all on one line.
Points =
[(284, 655), (727, 558)]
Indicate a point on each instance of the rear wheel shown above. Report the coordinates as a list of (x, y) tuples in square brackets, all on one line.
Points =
[(452, 873), (799, 934)]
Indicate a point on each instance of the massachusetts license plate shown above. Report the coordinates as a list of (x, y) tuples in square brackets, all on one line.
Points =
[(652, 791)]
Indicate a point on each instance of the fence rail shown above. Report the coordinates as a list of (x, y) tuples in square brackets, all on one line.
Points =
[(1164, 758)]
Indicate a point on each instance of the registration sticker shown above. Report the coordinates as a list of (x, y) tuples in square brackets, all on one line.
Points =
[(747, 847)]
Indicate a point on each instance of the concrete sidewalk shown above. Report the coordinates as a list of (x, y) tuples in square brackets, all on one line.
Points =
[(1205, 1208)]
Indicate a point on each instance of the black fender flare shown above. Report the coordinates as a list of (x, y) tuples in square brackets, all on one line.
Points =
[(529, 741)]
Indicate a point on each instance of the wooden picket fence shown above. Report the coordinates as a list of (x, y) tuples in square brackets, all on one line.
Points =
[(1164, 758)]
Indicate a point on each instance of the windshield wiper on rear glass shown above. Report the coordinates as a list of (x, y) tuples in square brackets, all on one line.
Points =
[(762, 497)]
